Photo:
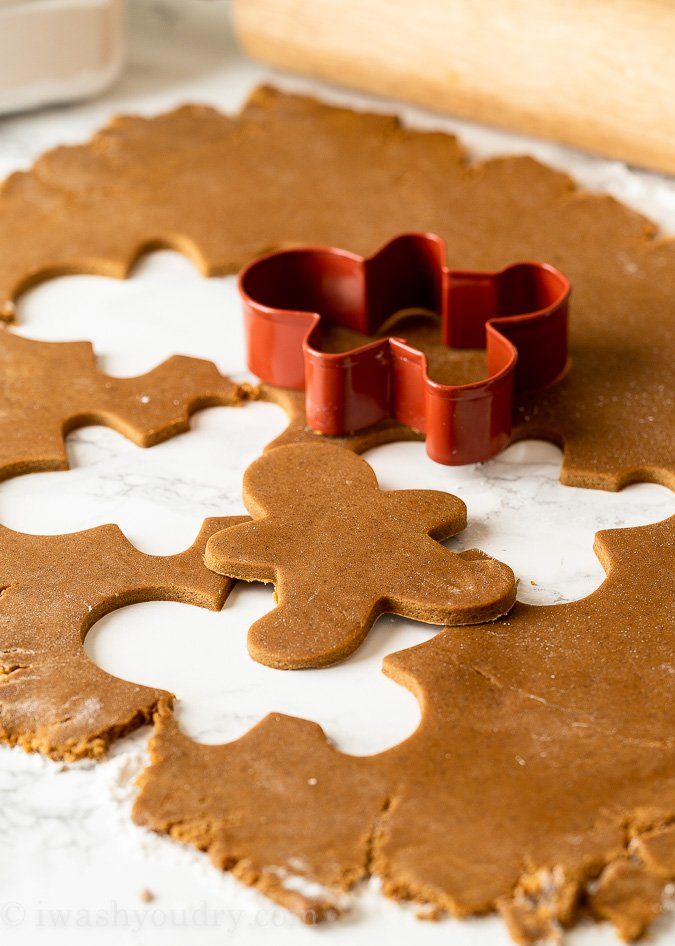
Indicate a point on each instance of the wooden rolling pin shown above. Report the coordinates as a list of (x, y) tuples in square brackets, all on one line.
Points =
[(595, 74)]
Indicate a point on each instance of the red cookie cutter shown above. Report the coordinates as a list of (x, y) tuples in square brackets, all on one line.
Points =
[(519, 315)]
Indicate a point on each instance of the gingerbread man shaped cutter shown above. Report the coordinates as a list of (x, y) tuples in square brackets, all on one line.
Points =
[(518, 314)]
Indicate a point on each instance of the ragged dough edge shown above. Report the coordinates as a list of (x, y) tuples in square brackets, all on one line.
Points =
[(543, 902), (547, 901), (275, 883)]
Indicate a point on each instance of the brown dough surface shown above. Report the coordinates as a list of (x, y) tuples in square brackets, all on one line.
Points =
[(340, 551), (290, 170), (421, 330), (546, 752), (629, 897), (53, 698), (49, 388)]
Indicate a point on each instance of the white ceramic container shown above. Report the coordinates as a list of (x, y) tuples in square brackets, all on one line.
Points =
[(58, 50)]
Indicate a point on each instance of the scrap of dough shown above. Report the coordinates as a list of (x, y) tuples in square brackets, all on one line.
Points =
[(53, 698), (340, 551), (289, 170), (546, 752), (49, 388)]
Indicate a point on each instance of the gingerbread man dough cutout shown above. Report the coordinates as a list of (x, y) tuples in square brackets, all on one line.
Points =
[(340, 551)]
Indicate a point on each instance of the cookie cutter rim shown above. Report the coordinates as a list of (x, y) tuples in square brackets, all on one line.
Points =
[(348, 391)]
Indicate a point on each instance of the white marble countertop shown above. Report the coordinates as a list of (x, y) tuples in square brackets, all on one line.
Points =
[(72, 865)]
